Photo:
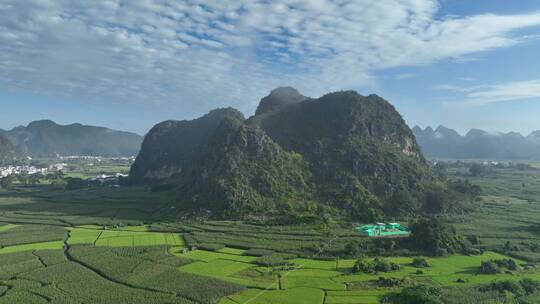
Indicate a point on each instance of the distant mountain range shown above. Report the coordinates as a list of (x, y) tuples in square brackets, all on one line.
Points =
[(477, 144), (45, 138)]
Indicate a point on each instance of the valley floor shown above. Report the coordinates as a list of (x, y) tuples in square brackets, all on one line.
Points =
[(155, 267), (125, 245)]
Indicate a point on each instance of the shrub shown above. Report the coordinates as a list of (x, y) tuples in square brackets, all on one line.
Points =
[(363, 265), (381, 265), (420, 294), (530, 286), (276, 259), (389, 282), (474, 239), (377, 265), (506, 263), (506, 286), (496, 266), (420, 263), (210, 246), (353, 248), (488, 267)]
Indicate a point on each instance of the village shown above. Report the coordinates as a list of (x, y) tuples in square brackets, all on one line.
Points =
[(30, 169), (93, 169)]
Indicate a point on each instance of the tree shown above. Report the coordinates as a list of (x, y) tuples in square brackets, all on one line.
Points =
[(489, 267), (419, 294), (73, 183), (420, 263), (436, 199), (6, 182), (478, 170), (437, 238), (35, 178), (353, 248)]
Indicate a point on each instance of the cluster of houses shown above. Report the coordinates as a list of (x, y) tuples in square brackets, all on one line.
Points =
[(106, 178), (30, 170), (384, 230)]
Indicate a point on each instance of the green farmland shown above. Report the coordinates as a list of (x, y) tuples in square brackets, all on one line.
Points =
[(151, 258), (60, 246)]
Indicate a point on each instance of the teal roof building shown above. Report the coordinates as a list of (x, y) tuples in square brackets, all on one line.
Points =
[(384, 230)]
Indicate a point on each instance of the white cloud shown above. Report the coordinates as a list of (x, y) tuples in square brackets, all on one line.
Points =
[(405, 76), (486, 95), (449, 87), (199, 54)]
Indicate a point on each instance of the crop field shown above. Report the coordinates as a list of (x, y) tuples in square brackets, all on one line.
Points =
[(334, 280), (358, 297), (509, 212), (32, 247), (6, 227), (155, 262), (90, 168), (217, 268), (47, 205), (207, 256), (131, 236), (298, 295), (60, 246)]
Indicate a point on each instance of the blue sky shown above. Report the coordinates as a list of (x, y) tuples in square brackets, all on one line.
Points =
[(130, 64)]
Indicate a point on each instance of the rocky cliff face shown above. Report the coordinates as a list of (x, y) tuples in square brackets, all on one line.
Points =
[(345, 151), (306, 126), (172, 147), (278, 99)]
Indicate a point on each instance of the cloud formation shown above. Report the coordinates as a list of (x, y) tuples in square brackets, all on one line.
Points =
[(485, 95), (199, 54)]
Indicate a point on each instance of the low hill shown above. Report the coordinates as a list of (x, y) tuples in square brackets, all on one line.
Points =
[(477, 144), (45, 138), (343, 153), (7, 151)]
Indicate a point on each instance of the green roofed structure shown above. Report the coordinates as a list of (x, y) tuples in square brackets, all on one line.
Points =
[(384, 230)]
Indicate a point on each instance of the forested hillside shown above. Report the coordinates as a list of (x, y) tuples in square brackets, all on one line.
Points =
[(343, 153)]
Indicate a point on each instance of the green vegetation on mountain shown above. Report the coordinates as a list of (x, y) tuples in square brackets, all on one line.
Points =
[(7, 151), (342, 154), (174, 146), (246, 169), (361, 153), (45, 138)]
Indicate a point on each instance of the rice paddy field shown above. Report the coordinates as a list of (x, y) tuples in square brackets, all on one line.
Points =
[(61, 246)]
